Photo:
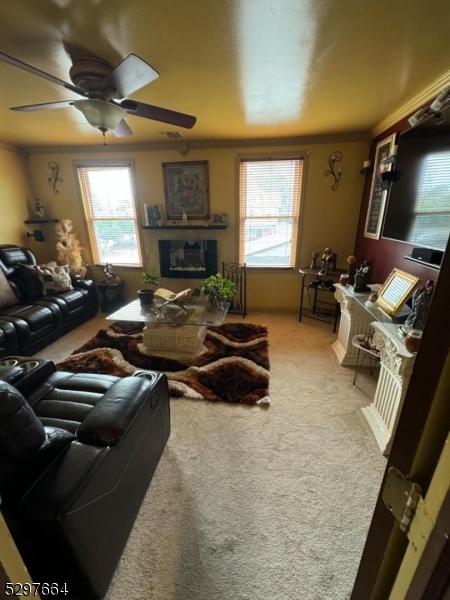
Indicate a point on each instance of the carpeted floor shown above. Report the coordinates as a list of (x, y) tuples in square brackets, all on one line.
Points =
[(249, 504)]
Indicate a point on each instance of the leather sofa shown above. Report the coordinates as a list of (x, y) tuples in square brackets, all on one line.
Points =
[(28, 326), (77, 453)]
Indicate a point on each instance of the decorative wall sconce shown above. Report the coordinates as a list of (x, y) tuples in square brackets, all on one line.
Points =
[(334, 157), (37, 234), (389, 177), (366, 168), (54, 177)]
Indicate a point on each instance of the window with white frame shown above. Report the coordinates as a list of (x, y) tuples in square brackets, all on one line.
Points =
[(110, 208), (269, 206)]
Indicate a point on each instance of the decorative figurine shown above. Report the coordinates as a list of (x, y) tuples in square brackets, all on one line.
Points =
[(326, 261), (313, 263), (351, 270), (154, 216), (110, 276), (371, 301), (39, 209), (421, 302), (362, 278)]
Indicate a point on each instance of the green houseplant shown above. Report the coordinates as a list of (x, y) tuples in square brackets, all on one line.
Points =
[(151, 281), (217, 289)]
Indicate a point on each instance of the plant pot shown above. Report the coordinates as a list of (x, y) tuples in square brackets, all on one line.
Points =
[(215, 304), (145, 296)]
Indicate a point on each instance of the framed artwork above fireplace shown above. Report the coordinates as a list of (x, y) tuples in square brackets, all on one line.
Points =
[(186, 189)]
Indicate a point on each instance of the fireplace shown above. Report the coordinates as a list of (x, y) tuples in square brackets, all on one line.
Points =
[(188, 259)]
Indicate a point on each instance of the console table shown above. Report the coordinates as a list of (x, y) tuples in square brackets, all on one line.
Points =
[(355, 320), (331, 316), (396, 365)]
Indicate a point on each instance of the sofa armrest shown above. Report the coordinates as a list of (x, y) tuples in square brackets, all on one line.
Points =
[(114, 413), (85, 284)]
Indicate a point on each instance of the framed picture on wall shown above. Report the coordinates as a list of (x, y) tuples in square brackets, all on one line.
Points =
[(186, 189), (378, 196)]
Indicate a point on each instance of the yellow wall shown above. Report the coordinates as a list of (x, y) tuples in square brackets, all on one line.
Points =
[(328, 218), (14, 194)]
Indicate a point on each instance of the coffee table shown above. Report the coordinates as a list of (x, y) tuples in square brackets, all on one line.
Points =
[(172, 330)]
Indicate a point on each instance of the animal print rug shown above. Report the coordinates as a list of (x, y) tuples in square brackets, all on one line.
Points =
[(233, 368)]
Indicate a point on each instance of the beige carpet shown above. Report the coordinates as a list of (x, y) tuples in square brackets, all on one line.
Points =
[(251, 504)]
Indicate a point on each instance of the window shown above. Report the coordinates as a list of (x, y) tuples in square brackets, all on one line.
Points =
[(108, 200), (431, 214), (269, 199)]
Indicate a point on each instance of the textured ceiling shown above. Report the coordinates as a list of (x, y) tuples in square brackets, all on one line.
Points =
[(245, 68)]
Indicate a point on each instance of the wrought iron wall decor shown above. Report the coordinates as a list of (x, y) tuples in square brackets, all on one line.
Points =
[(334, 157), (54, 177)]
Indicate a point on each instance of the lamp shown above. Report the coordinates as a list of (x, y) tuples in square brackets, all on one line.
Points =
[(101, 114)]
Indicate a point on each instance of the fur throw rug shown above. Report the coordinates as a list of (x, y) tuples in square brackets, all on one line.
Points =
[(233, 368)]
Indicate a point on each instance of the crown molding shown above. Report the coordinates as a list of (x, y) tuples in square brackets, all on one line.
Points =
[(427, 94), (201, 144), (10, 148)]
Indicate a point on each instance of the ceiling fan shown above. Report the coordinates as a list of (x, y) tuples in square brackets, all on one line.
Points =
[(105, 92)]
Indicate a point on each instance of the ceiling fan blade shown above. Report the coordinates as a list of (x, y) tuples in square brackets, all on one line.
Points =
[(140, 109), (44, 106), (122, 130), (15, 62), (131, 75)]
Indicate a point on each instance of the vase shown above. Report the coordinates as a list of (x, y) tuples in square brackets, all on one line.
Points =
[(412, 340), (215, 304)]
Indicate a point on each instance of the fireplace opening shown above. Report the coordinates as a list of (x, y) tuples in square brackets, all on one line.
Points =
[(189, 259)]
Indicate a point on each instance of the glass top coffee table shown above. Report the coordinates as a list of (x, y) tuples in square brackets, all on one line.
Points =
[(172, 329)]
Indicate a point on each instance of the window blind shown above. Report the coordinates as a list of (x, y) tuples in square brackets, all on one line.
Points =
[(269, 205), (431, 217), (110, 209)]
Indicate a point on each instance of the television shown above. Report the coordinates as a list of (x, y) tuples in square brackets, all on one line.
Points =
[(418, 209)]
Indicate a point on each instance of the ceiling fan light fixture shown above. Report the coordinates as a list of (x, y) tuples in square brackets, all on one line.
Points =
[(100, 114)]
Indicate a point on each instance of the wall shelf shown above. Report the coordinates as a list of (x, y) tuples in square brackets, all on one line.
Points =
[(40, 221), (181, 227)]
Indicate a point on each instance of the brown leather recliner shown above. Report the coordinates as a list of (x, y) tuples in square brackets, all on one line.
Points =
[(77, 453)]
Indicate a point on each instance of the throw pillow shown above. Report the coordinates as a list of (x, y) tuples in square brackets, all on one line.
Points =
[(27, 280), (7, 295), (54, 279)]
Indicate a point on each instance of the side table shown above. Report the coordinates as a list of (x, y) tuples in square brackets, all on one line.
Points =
[(111, 296), (332, 315)]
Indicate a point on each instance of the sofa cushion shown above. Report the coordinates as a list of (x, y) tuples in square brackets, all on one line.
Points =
[(73, 298), (7, 295), (54, 279), (37, 316), (66, 399), (27, 280)]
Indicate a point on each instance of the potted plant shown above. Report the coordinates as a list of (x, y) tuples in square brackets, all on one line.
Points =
[(150, 279), (217, 289)]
